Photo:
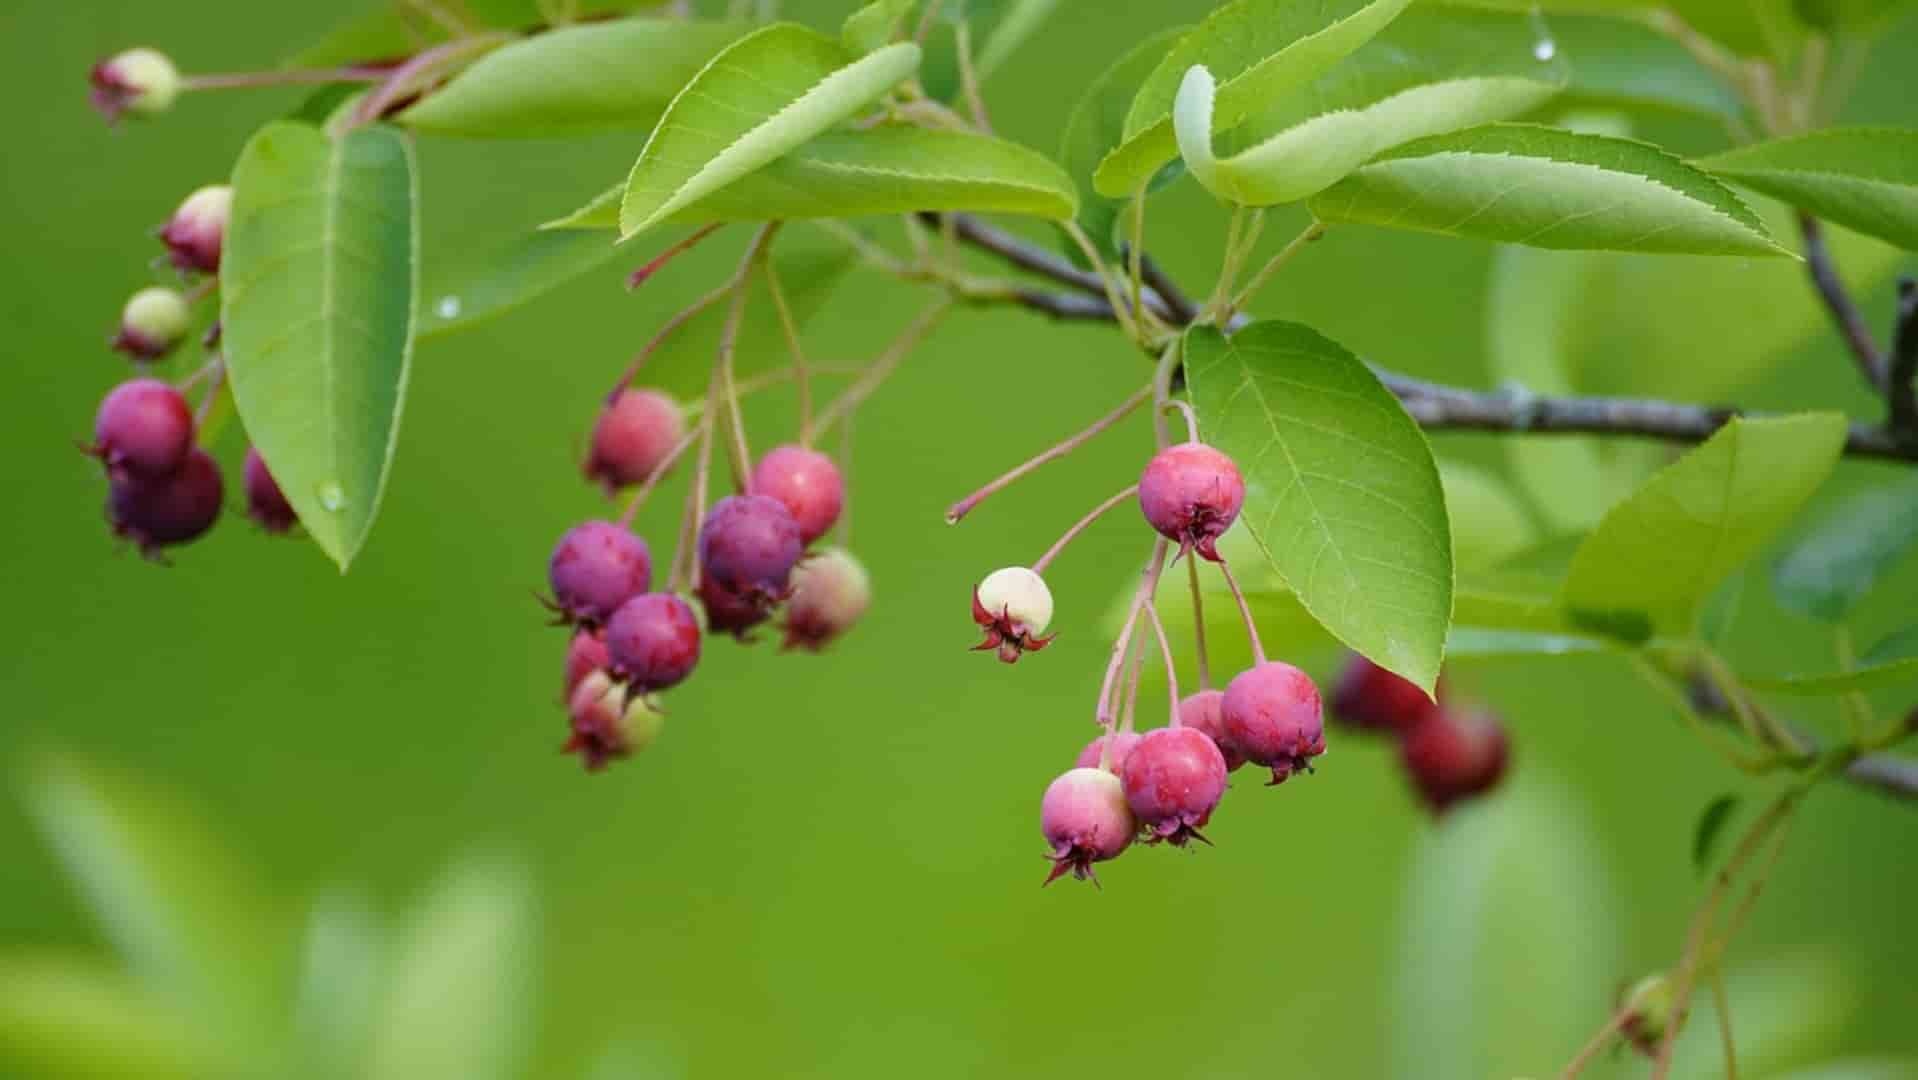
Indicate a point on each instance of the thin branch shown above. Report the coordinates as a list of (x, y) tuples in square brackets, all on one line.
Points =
[(1178, 305), (1887, 773), (1904, 360), (1844, 314)]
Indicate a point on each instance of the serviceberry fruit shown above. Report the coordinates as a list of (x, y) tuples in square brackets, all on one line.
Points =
[(265, 503), (585, 654), (159, 512), (1454, 755), (144, 429), (1013, 606), (748, 545), (595, 568), (728, 612), (1648, 1013), (1370, 698), (1205, 711), (154, 320), (607, 722), (1272, 717), (1191, 493), (634, 435), (830, 593), (1085, 820), (653, 641), (197, 230), (807, 483), (1122, 746), (139, 81), (1174, 778)]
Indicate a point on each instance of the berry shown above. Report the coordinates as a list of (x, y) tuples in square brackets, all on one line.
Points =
[(154, 320), (1122, 745), (585, 654), (1454, 755), (1648, 1006), (606, 723), (729, 612), (653, 640), (748, 545), (1085, 819), (265, 503), (1205, 711), (1173, 780), (830, 592), (633, 437), (139, 81), (158, 512), (807, 483), (1370, 698), (1191, 493), (1013, 606), (196, 231), (595, 568), (1272, 717), (143, 429)]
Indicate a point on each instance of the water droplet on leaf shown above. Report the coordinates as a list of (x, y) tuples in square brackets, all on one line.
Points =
[(448, 307), (332, 496), (1545, 49)]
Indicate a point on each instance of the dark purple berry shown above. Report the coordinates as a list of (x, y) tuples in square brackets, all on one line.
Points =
[(265, 503), (807, 483), (144, 428), (1205, 711), (1454, 755), (1173, 780), (1370, 698), (653, 641), (1273, 718), (728, 612), (1191, 493), (1085, 820), (595, 568), (748, 546), (633, 437), (159, 512)]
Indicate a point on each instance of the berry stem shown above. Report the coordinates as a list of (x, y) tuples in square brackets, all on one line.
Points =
[(966, 505), (1272, 266), (1161, 387), (1619, 1018), (652, 266), (666, 330), (1198, 624), (793, 346), (215, 380), (241, 80), (1148, 581), (653, 478), (1191, 417), (742, 455), (1134, 671), (1245, 611), (969, 78), (882, 368), (1119, 310), (843, 529), (1080, 526), (1722, 1006), (1165, 653), (418, 72)]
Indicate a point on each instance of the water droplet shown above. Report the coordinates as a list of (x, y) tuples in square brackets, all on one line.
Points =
[(448, 307), (332, 496), (1545, 49)]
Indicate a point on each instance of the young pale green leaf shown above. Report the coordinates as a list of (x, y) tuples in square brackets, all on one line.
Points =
[(872, 26), (1656, 556), (1256, 50), (1097, 125), (1863, 178), (1709, 827), (763, 96), (1891, 662), (1838, 560), (530, 265), (1481, 643), (317, 296), (1546, 187), (1341, 489), (66, 1017), (605, 76)]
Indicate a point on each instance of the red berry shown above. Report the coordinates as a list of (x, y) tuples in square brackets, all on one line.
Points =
[(653, 640), (807, 483), (634, 435), (1191, 493), (1371, 698), (1272, 717), (607, 722), (168, 510), (585, 654), (144, 428), (728, 612), (595, 568), (265, 503), (830, 592), (1454, 755), (1122, 745), (748, 545), (1204, 711), (1085, 820), (197, 230), (1173, 780)]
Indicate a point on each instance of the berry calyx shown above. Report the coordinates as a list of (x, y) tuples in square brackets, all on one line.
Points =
[(1273, 717), (653, 642), (1013, 606), (1454, 755), (1205, 711), (1174, 778), (831, 590), (748, 546), (1085, 820), (154, 320), (196, 232), (144, 428), (265, 503), (1370, 698), (728, 612), (139, 81), (1191, 493), (807, 483), (634, 435), (607, 723), (585, 654), (160, 512), (596, 567), (1122, 746), (1648, 1013)]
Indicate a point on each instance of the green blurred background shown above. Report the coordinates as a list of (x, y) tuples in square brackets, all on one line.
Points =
[(829, 866)]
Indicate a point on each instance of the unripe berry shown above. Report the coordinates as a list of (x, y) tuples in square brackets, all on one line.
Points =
[(197, 230), (633, 436), (1453, 755), (728, 612), (607, 724), (595, 568), (748, 545), (1273, 717), (144, 429), (653, 641), (158, 512), (154, 320), (807, 483), (265, 503), (1122, 746), (140, 81), (1013, 606), (830, 593), (1648, 1013), (1173, 780), (1085, 820), (1205, 711), (1371, 698), (1191, 493), (585, 654)]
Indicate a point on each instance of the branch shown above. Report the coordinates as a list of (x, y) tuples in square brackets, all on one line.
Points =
[(1904, 360), (1850, 323), (1889, 773)]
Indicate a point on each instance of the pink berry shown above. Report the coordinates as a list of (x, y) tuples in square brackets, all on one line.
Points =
[(197, 230), (595, 568), (1454, 755), (143, 82), (1205, 711), (607, 723), (1085, 820), (830, 593), (265, 503), (653, 640), (162, 512), (748, 545), (1272, 717), (1173, 780), (1192, 493), (1122, 745), (807, 483), (633, 437), (585, 654), (144, 428), (1370, 698), (728, 612)]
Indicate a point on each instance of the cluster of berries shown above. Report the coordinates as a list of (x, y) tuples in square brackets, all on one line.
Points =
[(1450, 753), (750, 561)]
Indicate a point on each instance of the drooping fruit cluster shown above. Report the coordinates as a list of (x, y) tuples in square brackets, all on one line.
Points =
[(1450, 753)]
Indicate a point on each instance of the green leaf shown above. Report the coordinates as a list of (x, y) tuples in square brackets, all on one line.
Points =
[(1097, 125), (317, 286), (1622, 62), (1891, 662), (530, 265), (65, 1017), (337, 1001), (1480, 643), (1789, 1007), (1863, 178), (1431, 72), (397, 30), (1710, 826), (1545, 187), (872, 26), (1256, 50), (1755, 27), (1845, 552), (1856, 1069), (765, 95), (1656, 556), (1017, 21), (576, 80), (1341, 490)]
